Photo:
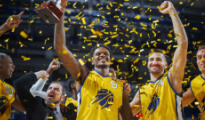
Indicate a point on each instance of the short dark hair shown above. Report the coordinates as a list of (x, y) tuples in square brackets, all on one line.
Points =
[(100, 45), (156, 51), (200, 48), (69, 82), (63, 88)]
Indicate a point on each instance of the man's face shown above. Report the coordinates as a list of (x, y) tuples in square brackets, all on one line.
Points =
[(201, 60), (6, 67), (156, 63), (54, 94), (100, 57)]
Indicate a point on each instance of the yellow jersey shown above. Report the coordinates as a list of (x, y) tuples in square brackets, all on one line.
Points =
[(159, 100), (198, 89), (71, 100), (99, 97), (7, 96)]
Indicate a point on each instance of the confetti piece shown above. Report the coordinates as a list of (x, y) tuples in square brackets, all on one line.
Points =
[(109, 63), (194, 28), (160, 8), (58, 79), (50, 48), (25, 58), (63, 52), (137, 17), (79, 74), (23, 34), (81, 62), (13, 29)]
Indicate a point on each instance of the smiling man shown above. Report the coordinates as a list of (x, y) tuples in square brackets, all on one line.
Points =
[(7, 92), (161, 98), (100, 97)]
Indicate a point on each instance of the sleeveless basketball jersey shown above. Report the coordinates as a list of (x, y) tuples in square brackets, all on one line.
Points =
[(7, 96), (71, 100), (159, 101), (99, 98), (198, 89)]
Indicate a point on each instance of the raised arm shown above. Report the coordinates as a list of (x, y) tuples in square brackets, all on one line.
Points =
[(36, 89), (54, 65), (135, 104), (12, 22), (65, 55), (125, 111), (188, 97), (180, 55)]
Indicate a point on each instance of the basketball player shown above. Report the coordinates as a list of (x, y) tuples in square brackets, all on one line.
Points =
[(161, 98), (100, 97)]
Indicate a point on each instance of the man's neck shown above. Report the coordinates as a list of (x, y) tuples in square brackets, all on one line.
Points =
[(102, 71), (203, 75), (154, 77)]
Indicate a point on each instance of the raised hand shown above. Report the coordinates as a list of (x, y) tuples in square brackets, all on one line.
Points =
[(54, 65), (127, 87), (112, 71), (63, 4), (167, 8), (42, 74), (13, 21)]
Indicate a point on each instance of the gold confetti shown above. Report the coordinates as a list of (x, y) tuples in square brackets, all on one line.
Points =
[(31, 21), (23, 34), (40, 32), (83, 20), (13, 29), (160, 8), (25, 58), (109, 63), (63, 52), (194, 28), (50, 48), (81, 62), (30, 39), (137, 17), (75, 55)]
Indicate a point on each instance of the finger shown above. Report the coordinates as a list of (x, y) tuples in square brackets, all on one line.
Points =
[(20, 14)]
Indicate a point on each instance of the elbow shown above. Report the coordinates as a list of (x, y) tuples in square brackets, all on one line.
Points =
[(33, 92)]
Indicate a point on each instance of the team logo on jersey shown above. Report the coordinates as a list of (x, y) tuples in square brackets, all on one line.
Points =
[(153, 104), (3, 102), (105, 98)]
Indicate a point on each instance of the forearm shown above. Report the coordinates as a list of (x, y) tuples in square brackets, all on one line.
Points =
[(36, 89), (179, 30), (17, 105), (3, 29), (59, 34), (125, 111)]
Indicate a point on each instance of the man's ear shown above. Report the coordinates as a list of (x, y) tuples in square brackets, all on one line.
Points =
[(62, 98), (166, 66), (92, 61)]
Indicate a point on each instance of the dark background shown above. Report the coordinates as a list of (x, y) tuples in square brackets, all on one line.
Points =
[(117, 26)]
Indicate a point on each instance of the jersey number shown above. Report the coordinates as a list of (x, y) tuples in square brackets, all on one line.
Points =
[(113, 84)]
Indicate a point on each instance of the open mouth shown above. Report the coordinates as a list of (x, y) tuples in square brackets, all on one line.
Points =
[(50, 96)]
